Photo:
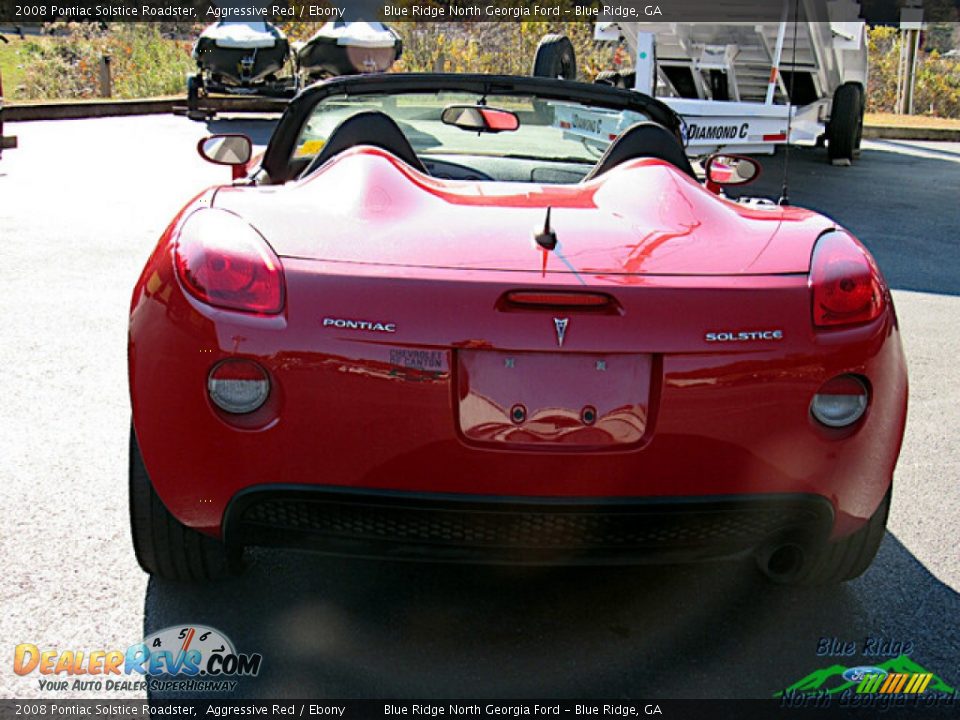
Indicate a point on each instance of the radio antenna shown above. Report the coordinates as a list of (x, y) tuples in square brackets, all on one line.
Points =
[(547, 238), (784, 194)]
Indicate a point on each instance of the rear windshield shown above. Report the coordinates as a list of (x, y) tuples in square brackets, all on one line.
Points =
[(550, 130)]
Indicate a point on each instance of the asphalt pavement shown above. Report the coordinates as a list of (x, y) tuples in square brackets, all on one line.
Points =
[(81, 205)]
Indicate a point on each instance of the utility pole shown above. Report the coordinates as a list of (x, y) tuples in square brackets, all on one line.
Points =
[(911, 22)]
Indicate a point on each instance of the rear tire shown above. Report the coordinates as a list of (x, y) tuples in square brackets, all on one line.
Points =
[(555, 58), (848, 557), (846, 122), (165, 547)]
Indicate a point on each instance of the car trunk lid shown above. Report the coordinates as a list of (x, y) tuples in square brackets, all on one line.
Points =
[(642, 218)]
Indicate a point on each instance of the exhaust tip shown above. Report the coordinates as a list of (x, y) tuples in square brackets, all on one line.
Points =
[(783, 563)]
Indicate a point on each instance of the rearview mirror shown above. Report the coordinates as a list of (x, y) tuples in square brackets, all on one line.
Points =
[(234, 150), (731, 170), (480, 118)]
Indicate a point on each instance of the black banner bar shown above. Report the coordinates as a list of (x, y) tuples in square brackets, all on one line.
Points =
[(29, 12), (816, 707)]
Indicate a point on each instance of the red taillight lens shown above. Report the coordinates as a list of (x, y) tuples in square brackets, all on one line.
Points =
[(846, 283), (223, 261)]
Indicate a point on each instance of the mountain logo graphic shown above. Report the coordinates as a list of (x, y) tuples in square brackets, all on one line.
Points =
[(899, 675)]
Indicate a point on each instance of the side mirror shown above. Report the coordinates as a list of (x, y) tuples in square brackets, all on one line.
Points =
[(232, 150), (725, 170), (480, 118)]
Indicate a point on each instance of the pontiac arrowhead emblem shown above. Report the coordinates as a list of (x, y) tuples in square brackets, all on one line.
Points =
[(561, 325)]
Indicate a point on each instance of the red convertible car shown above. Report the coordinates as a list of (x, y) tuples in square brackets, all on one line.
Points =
[(433, 321)]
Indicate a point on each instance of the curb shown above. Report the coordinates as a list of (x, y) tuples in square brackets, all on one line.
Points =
[(116, 108), (892, 132)]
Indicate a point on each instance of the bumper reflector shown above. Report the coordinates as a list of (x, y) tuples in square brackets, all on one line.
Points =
[(840, 401), (238, 386)]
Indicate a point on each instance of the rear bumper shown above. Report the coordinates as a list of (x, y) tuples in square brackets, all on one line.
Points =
[(386, 415), (518, 530)]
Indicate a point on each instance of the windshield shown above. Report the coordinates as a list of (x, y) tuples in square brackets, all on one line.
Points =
[(550, 130)]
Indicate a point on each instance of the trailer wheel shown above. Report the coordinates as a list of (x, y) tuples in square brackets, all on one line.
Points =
[(846, 123), (626, 80), (555, 58), (863, 110)]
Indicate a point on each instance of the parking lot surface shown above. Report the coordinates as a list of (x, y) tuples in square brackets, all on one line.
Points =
[(81, 205)]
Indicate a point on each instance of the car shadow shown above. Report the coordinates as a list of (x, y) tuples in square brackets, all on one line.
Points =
[(340, 628), (901, 203)]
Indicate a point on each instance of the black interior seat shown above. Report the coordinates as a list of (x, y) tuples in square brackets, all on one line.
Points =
[(643, 140), (369, 127)]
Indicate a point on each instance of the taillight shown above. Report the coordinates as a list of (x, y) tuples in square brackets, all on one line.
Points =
[(238, 386), (223, 261), (840, 401), (845, 280)]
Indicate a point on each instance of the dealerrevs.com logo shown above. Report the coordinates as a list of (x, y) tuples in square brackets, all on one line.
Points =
[(183, 658)]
